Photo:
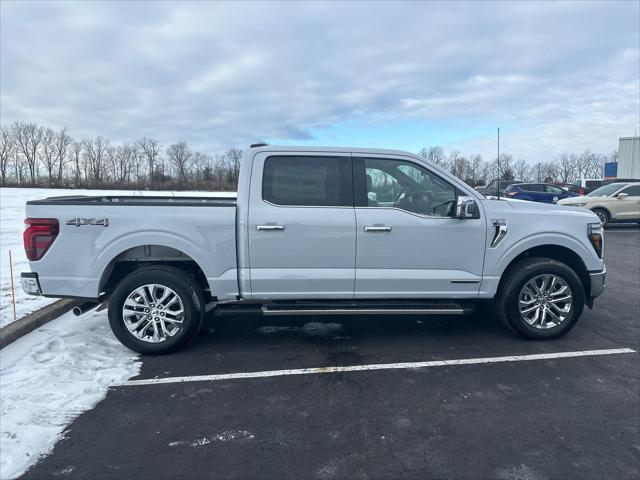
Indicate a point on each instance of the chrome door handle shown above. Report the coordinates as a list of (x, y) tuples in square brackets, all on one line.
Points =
[(270, 227), (376, 228)]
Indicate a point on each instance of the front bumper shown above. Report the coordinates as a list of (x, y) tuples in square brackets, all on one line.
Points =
[(30, 283), (597, 283)]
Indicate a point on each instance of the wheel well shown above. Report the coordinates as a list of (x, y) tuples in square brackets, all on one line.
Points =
[(147, 255), (562, 254)]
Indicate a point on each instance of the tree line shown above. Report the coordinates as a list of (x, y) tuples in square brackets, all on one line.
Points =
[(564, 168), (33, 155)]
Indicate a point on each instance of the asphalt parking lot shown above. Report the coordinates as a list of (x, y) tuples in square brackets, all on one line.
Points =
[(565, 417)]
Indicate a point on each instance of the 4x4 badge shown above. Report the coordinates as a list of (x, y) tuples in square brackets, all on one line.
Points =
[(79, 222)]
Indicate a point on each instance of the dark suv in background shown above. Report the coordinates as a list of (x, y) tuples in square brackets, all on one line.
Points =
[(538, 192)]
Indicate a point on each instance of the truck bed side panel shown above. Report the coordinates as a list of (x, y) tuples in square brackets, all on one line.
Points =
[(78, 258)]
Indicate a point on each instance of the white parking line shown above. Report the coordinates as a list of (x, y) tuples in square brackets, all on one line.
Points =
[(381, 366)]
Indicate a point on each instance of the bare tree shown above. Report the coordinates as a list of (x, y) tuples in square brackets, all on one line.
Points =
[(6, 151), (475, 176), (233, 157), (62, 142), (503, 168), (521, 170), (28, 137), (138, 161), (565, 166), (76, 159), (122, 162), (179, 155), (458, 165), (94, 153), (151, 150), (48, 152), (19, 166), (549, 172)]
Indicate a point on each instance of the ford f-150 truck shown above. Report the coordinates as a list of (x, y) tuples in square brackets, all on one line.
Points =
[(316, 231)]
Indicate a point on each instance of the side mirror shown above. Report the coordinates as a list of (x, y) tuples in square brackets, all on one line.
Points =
[(622, 195), (466, 207)]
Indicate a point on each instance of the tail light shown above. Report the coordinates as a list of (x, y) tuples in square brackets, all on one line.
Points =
[(581, 191), (39, 236)]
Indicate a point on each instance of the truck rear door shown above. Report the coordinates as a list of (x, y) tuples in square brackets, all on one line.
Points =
[(301, 228)]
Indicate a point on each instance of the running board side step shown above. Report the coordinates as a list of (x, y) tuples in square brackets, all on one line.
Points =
[(435, 309), (366, 311)]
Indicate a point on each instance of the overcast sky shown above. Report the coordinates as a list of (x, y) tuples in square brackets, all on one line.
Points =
[(553, 76)]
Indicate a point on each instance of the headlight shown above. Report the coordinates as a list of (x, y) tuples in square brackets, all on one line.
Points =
[(579, 204), (596, 237)]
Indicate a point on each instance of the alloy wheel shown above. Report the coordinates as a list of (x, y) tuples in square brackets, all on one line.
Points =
[(153, 313), (545, 301)]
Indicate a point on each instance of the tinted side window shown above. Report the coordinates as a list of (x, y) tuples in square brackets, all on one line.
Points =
[(407, 186), (308, 181), (633, 191), (552, 189)]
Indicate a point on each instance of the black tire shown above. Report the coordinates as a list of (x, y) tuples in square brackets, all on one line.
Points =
[(517, 276), (183, 284), (603, 215)]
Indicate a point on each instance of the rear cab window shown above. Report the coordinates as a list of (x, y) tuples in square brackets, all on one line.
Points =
[(312, 181)]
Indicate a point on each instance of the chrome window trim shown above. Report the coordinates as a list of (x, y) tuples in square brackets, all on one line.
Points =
[(431, 217), (305, 206)]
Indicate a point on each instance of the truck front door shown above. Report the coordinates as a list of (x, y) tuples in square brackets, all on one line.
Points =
[(301, 226), (408, 243)]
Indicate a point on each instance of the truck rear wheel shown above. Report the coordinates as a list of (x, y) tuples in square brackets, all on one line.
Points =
[(540, 298), (156, 310)]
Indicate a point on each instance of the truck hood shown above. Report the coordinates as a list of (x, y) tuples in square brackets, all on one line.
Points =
[(524, 207)]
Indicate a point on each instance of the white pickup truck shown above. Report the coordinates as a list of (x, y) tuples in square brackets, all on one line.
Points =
[(316, 231)]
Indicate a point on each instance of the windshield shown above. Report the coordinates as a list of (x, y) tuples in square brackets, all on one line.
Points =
[(606, 190)]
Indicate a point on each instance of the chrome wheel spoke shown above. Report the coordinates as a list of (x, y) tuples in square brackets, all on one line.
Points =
[(556, 318), (560, 300)]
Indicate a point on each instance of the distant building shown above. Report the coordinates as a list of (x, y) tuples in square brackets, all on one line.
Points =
[(629, 157)]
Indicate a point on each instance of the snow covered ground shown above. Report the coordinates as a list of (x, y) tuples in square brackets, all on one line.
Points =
[(51, 376), (12, 213)]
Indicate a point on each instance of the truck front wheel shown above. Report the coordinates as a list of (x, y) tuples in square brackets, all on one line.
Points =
[(156, 310), (540, 298)]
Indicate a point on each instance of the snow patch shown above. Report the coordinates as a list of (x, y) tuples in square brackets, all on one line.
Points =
[(48, 378), (225, 436)]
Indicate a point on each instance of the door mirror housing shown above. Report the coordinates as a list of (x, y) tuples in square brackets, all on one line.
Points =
[(622, 195), (466, 207)]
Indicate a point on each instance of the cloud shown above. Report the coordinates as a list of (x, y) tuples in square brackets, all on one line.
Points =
[(556, 76)]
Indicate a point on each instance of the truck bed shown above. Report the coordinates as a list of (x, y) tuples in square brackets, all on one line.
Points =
[(158, 201), (97, 231)]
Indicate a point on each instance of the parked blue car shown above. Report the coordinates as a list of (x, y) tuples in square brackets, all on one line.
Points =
[(537, 192)]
